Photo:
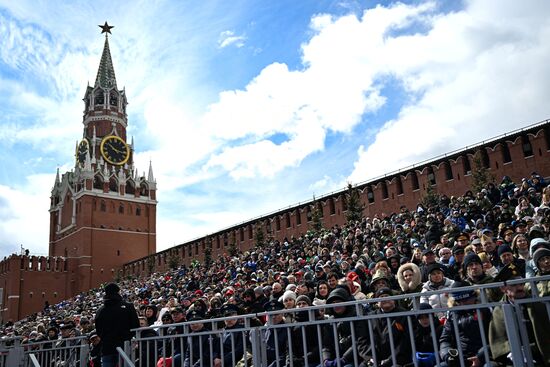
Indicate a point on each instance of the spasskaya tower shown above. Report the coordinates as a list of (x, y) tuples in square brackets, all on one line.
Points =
[(103, 213)]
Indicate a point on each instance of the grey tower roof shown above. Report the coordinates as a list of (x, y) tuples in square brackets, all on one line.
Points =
[(106, 72)]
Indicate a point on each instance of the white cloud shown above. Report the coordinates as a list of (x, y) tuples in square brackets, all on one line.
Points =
[(21, 216), (476, 73), (467, 76), (228, 38)]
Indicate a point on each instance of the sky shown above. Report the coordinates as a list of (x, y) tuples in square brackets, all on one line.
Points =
[(249, 106)]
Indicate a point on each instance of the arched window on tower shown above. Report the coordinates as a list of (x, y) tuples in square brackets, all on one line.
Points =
[(113, 185), (130, 187), (144, 191), (103, 206), (98, 183), (113, 99), (138, 211), (99, 98), (121, 208)]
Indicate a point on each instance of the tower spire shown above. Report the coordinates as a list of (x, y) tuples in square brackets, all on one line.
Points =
[(106, 72), (150, 176)]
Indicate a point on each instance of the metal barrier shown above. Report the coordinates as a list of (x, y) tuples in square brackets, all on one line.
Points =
[(69, 352), (359, 333)]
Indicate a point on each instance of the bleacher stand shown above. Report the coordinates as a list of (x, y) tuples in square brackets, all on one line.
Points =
[(463, 282)]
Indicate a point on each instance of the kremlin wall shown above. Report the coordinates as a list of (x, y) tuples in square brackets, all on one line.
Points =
[(515, 154)]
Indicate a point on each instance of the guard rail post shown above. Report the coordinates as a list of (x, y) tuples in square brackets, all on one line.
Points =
[(513, 335), (84, 353), (15, 355)]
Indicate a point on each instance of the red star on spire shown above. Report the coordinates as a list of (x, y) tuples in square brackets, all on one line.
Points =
[(106, 28)]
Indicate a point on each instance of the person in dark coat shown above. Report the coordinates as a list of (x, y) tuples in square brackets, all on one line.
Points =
[(469, 335), (113, 322), (178, 344), (400, 331), (535, 317), (198, 351), (346, 344), (151, 314), (307, 354), (276, 356), (423, 336), (232, 344), (148, 349), (95, 350)]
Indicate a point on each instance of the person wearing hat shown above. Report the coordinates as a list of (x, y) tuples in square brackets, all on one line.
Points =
[(469, 335), (436, 281), (95, 349), (409, 279), (197, 351), (535, 244), (428, 258), (474, 274), (310, 330), (381, 333), (535, 316), (425, 353), (275, 336), (541, 258), (520, 226), (343, 328), (232, 346), (506, 256), (113, 321), (454, 270)]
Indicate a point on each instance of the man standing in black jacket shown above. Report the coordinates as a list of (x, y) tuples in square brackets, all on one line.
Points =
[(113, 321)]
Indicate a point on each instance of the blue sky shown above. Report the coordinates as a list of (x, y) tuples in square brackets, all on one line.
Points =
[(246, 107)]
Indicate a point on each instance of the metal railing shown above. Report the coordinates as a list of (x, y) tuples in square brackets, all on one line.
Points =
[(358, 333), (69, 352), (363, 335)]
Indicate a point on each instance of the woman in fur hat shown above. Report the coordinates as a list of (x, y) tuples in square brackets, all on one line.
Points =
[(410, 281)]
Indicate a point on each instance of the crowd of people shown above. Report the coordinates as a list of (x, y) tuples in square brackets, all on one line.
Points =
[(497, 234)]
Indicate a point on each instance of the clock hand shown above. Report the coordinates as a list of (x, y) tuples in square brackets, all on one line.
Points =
[(115, 149)]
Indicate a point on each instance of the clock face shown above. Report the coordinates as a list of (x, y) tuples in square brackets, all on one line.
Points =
[(81, 151), (114, 150)]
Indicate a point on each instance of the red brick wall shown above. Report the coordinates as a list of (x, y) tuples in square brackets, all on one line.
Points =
[(28, 283)]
